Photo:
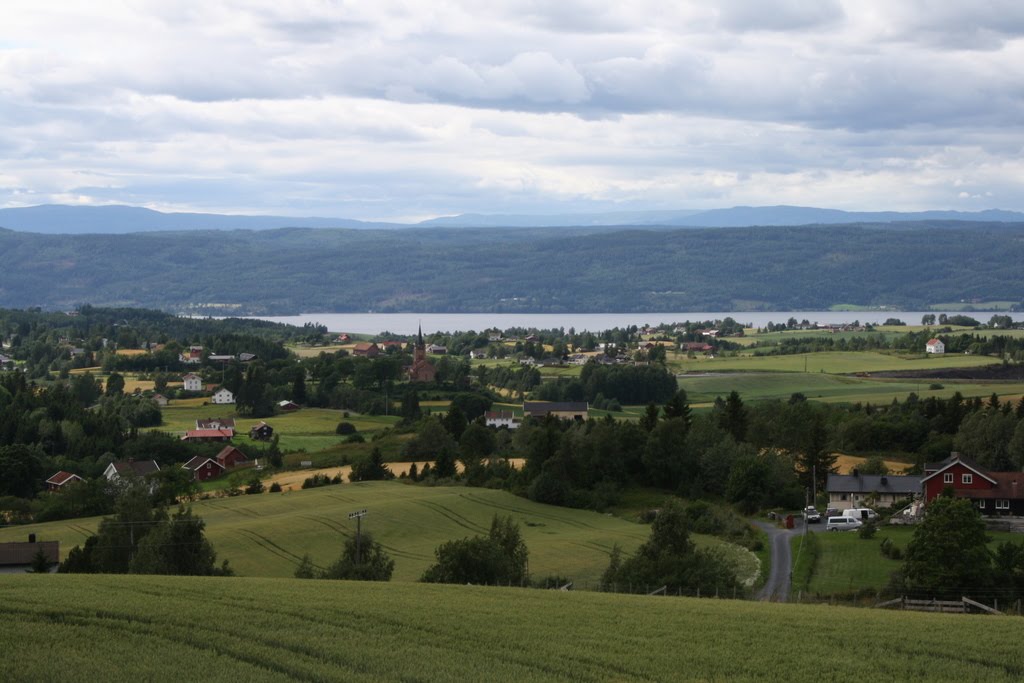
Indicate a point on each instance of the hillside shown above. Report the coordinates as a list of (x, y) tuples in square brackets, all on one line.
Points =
[(267, 535), (522, 270), (172, 629)]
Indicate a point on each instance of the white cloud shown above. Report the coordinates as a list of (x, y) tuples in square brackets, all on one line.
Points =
[(385, 109)]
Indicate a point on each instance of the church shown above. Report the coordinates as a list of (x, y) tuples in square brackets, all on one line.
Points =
[(421, 370)]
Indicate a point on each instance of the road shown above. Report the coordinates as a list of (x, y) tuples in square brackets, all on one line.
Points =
[(776, 588)]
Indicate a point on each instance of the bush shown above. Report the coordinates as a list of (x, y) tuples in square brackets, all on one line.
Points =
[(345, 428), (275, 488), (318, 480), (890, 549), (355, 438), (867, 530)]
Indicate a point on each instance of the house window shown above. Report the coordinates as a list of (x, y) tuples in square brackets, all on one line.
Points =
[(967, 478), (947, 478), (1002, 505), (981, 504), (843, 497)]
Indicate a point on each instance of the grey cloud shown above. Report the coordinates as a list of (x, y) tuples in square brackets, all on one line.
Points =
[(778, 15)]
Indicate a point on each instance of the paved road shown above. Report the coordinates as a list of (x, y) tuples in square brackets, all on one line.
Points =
[(776, 588)]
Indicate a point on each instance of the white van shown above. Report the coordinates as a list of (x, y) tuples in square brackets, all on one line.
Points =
[(863, 514), (842, 524)]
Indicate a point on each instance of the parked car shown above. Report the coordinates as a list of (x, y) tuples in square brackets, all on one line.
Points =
[(812, 515), (863, 514), (842, 524)]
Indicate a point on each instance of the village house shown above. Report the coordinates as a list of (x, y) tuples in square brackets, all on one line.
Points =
[(437, 349), (934, 346), (208, 435), (118, 471), (992, 493), (17, 557), (220, 358), (203, 468), (59, 480), (565, 410), (222, 397), (192, 382), (216, 423), (230, 457), (366, 350), (193, 356), (246, 357), (287, 406), (502, 418), (856, 490), (261, 432), (161, 400), (696, 347), (478, 354)]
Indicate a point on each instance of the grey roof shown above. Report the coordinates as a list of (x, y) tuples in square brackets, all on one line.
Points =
[(873, 483), (541, 408), (139, 467)]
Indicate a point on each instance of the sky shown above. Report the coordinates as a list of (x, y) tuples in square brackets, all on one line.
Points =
[(404, 110)]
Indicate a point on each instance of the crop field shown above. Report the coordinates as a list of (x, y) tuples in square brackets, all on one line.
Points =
[(758, 386), (183, 628), (267, 535), (829, 362), (850, 563)]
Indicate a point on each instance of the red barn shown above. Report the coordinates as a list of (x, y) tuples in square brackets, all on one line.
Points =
[(231, 457), (992, 493), (203, 468), (60, 479)]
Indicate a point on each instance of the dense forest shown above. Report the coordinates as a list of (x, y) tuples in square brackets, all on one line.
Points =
[(511, 270)]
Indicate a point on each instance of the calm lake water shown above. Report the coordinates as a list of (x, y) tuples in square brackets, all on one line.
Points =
[(406, 323)]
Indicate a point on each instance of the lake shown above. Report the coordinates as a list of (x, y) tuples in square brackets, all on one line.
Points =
[(407, 323)]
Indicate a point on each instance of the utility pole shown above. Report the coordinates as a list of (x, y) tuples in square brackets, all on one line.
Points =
[(358, 516)]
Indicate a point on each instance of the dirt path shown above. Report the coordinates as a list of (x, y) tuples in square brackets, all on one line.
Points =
[(776, 588)]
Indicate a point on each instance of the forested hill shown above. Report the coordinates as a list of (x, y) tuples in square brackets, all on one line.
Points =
[(554, 270)]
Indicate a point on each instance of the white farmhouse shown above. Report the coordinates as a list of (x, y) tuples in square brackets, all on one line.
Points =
[(502, 419), (223, 396), (934, 346), (192, 382)]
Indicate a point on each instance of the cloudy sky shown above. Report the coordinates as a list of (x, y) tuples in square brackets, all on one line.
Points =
[(406, 110)]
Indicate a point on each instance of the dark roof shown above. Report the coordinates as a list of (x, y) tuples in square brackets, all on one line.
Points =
[(24, 553), (541, 408), (208, 423), (197, 461), (139, 467), (873, 483), (1009, 485), (228, 450)]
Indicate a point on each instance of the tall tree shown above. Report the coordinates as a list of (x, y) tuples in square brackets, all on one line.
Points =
[(948, 556)]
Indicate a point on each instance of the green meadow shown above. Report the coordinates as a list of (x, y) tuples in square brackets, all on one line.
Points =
[(156, 628), (267, 535)]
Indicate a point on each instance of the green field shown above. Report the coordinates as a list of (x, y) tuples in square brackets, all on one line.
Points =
[(129, 628), (267, 535), (850, 563), (758, 386), (829, 362), (308, 429)]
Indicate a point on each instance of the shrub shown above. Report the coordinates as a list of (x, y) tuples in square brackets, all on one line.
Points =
[(355, 438), (890, 549), (867, 530), (345, 428), (275, 488)]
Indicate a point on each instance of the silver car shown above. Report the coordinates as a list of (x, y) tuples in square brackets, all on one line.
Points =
[(842, 524)]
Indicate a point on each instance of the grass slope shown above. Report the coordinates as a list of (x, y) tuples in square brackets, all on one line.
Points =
[(267, 535), (181, 628)]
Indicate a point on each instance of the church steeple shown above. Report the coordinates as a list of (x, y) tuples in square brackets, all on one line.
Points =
[(419, 338)]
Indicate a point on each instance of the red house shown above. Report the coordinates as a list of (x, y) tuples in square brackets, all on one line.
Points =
[(366, 349), (203, 468), (58, 480), (992, 493), (231, 457)]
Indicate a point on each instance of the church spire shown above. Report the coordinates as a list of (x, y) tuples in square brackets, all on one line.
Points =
[(419, 339)]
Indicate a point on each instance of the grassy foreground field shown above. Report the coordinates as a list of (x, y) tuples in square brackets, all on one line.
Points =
[(180, 628), (267, 535)]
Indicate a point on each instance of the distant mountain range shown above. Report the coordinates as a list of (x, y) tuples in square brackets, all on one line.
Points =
[(74, 220)]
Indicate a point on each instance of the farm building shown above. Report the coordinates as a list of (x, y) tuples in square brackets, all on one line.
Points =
[(437, 349), (208, 435), (934, 346), (16, 558), (192, 382), (565, 410), (366, 350), (502, 418), (116, 471), (261, 432), (203, 468), (59, 480), (222, 397), (246, 357), (230, 457), (161, 400), (478, 354), (194, 355), (847, 491), (288, 406), (992, 493), (216, 423)]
